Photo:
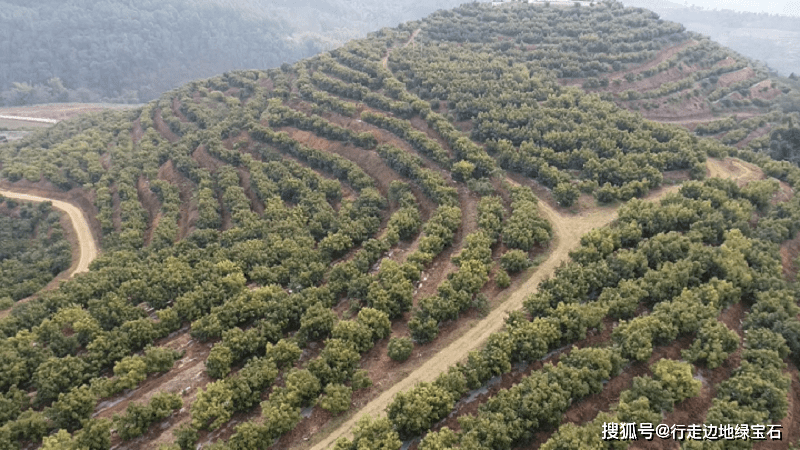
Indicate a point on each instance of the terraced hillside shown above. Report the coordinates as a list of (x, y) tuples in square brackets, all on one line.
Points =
[(283, 247)]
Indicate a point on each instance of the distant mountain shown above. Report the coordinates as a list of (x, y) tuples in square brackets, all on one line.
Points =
[(132, 51), (334, 22)]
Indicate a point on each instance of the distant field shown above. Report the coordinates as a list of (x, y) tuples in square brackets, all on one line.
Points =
[(57, 111), (14, 129)]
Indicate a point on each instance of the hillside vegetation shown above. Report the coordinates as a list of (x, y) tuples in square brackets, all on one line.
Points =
[(33, 249), (274, 240)]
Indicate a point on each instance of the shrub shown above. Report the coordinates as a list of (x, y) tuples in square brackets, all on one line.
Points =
[(336, 399), (502, 279), (400, 348), (514, 261)]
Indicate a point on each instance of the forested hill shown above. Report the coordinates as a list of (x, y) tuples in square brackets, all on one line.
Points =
[(130, 50), (282, 246)]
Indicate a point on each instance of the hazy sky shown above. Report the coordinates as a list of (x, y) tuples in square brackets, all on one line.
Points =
[(789, 7)]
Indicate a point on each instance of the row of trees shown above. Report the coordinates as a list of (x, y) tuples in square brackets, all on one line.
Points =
[(279, 115), (581, 294), (644, 402), (418, 140)]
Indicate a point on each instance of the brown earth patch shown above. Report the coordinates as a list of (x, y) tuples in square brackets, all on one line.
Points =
[(734, 168), (736, 76), (255, 202), (728, 61), (188, 210), (176, 110), (136, 131), (442, 265), (764, 90), (789, 251), (369, 161), (151, 204), (206, 160), (266, 83), (755, 134), (163, 128)]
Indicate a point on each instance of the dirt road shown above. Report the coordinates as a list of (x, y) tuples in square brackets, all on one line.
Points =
[(568, 229), (87, 247), (385, 59)]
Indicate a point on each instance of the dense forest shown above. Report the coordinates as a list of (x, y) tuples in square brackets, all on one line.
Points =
[(33, 249), (129, 51), (279, 245)]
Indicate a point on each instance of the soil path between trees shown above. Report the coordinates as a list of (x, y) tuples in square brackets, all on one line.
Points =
[(86, 244), (385, 59), (567, 229)]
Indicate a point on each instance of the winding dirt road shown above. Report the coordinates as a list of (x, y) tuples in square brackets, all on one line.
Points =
[(567, 229), (86, 247)]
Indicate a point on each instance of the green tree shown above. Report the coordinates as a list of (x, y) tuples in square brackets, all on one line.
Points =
[(566, 194), (303, 386), (514, 261), (676, 377), (714, 343), (72, 408), (502, 279), (317, 322), (377, 321), (400, 348), (336, 399), (58, 375), (284, 352), (213, 406), (369, 433), (355, 332), (415, 411), (95, 435), (219, 361)]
